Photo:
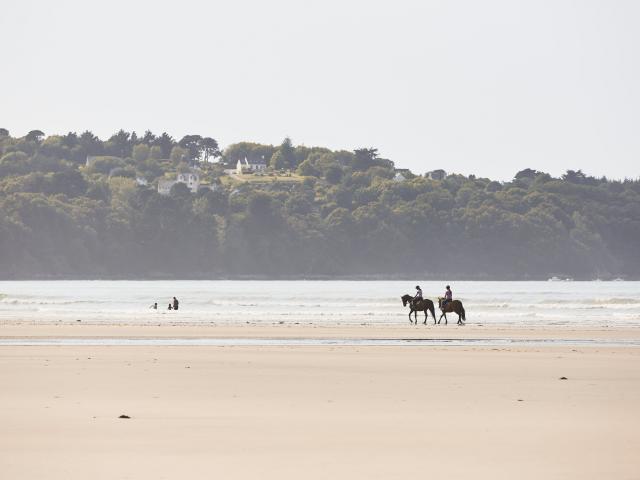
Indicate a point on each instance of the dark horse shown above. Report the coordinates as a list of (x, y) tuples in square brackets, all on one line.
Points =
[(425, 305), (452, 306)]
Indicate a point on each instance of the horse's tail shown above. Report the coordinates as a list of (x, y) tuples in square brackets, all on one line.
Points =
[(433, 311), (462, 313)]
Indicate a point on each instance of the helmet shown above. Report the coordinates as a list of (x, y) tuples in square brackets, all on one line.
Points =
[(417, 287)]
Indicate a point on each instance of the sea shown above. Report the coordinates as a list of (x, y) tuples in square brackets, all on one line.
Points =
[(569, 303)]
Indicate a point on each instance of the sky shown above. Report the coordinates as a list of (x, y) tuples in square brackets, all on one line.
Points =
[(475, 87)]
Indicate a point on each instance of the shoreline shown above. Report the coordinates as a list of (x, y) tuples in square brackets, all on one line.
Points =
[(27, 329)]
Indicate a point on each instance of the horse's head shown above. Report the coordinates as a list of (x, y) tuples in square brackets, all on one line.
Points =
[(405, 299), (440, 299)]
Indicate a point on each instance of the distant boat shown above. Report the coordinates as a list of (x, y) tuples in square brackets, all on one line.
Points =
[(568, 279), (554, 279), (618, 279)]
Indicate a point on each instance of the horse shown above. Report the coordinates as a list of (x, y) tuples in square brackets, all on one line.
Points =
[(452, 306), (425, 305)]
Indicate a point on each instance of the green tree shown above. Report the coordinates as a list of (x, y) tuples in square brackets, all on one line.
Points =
[(119, 144), (278, 162), (149, 138), (209, 148), (249, 150), (193, 145), (155, 152), (307, 169), (166, 144), (288, 153), (90, 143), (333, 175), (70, 183), (178, 154), (35, 136), (180, 191), (364, 158), (140, 152)]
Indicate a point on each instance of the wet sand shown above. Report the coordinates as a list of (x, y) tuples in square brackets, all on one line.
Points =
[(294, 330), (317, 411)]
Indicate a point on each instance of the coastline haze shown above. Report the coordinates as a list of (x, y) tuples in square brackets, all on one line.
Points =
[(476, 89)]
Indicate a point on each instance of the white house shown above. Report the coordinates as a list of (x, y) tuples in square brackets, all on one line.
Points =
[(191, 179), (402, 174), (252, 166)]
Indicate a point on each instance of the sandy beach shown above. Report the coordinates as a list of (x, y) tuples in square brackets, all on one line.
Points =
[(317, 411)]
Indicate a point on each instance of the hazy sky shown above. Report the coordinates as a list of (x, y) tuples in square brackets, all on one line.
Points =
[(485, 87)]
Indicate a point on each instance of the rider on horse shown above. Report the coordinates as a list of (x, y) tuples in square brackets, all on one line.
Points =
[(418, 295), (448, 305), (448, 296)]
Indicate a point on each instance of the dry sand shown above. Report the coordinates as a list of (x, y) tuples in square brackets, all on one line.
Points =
[(319, 411)]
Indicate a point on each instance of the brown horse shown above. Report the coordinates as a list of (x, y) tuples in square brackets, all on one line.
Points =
[(452, 306), (425, 305)]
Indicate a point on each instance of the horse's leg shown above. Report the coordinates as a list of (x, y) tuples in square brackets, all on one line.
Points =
[(446, 321), (425, 316), (410, 312), (441, 315)]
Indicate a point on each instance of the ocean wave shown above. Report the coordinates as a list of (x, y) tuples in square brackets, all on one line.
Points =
[(322, 303), (592, 301), (20, 301)]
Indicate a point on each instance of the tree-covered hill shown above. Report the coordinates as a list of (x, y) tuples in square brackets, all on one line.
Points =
[(78, 206)]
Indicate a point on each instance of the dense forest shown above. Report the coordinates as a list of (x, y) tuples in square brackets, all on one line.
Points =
[(76, 206)]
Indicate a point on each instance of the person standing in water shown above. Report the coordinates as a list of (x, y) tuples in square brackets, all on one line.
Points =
[(154, 306), (170, 307), (175, 303)]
